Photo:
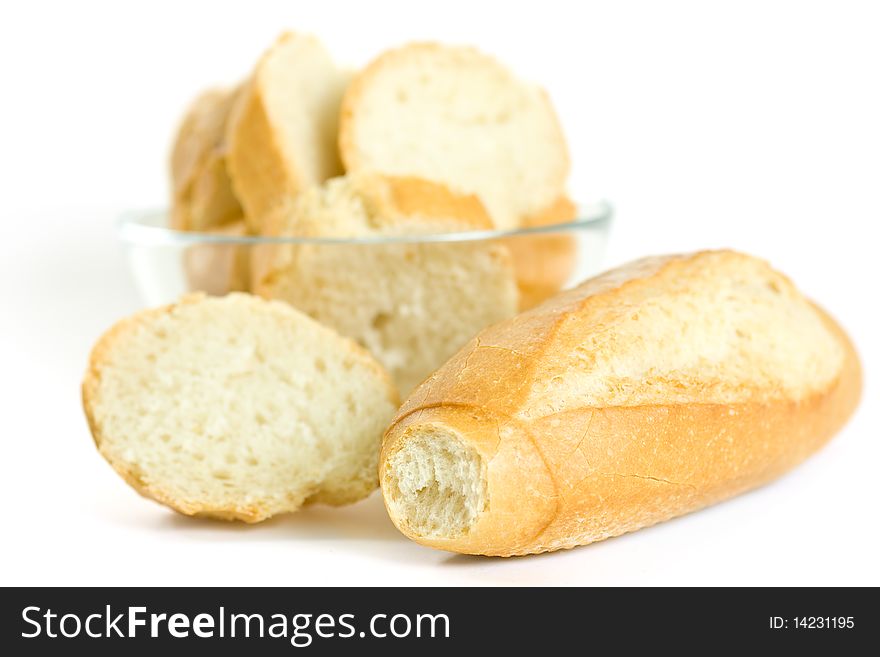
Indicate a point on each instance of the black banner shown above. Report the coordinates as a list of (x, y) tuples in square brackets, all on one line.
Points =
[(433, 621)]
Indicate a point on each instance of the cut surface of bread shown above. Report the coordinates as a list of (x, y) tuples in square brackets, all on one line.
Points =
[(439, 483), (648, 392), (202, 196), (411, 304), (237, 408), (456, 116), (283, 127)]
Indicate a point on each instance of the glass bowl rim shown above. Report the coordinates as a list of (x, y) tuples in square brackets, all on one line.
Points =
[(134, 227)]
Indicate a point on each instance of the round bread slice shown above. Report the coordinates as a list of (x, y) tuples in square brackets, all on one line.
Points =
[(237, 408), (456, 116), (411, 304), (202, 196), (283, 127)]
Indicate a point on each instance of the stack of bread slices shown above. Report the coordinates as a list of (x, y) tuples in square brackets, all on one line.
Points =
[(425, 139)]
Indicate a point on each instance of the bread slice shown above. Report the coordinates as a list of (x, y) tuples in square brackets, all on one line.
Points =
[(456, 116), (218, 268), (237, 408), (411, 304), (544, 262), (282, 132), (202, 196), (648, 392)]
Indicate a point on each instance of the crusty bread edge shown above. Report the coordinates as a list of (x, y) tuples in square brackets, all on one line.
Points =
[(416, 197), (249, 129)]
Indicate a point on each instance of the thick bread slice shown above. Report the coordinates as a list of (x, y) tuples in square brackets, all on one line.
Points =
[(202, 196), (237, 408), (454, 115), (643, 394), (411, 304), (282, 132), (544, 262)]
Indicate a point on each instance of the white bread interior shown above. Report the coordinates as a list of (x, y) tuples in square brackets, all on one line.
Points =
[(237, 408), (456, 116), (283, 127), (438, 483), (645, 393), (412, 305)]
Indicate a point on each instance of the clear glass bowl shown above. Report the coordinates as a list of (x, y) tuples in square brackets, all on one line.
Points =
[(166, 263), (413, 300)]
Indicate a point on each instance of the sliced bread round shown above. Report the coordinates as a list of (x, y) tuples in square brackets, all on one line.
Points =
[(456, 116), (282, 131), (411, 304), (237, 408)]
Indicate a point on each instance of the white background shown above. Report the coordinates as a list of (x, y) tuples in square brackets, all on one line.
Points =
[(754, 125)]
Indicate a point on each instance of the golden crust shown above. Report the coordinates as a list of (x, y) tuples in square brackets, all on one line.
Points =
[(571, 478), (410, 196), (90, 390), (259, 169)]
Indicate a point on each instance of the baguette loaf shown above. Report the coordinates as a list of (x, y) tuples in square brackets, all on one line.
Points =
[(202, 196), (282, 131), (456, 116), (237, 408), (411, 304), (648, 392)]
